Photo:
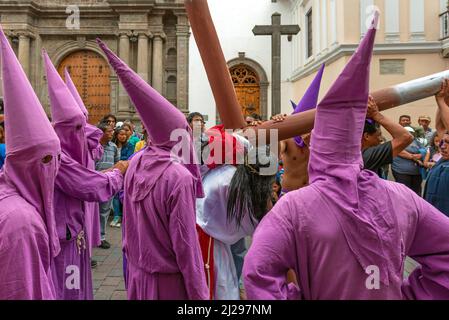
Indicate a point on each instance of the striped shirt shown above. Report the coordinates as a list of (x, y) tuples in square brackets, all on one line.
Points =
[(110, 157)]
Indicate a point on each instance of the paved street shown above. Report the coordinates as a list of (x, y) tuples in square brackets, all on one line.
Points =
[(108, 275)]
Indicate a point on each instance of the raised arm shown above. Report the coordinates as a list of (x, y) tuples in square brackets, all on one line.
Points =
[(401, 137), (442, 120), (182, 227), (89, 185), (270, 258), (430, 248)]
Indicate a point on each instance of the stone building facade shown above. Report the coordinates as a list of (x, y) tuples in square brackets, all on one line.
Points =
[(152, 36)]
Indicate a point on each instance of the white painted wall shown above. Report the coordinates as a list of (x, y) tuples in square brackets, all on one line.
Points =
[(234, 21)]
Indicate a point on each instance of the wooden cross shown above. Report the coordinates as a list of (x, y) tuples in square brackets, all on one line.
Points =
[(276, 30)]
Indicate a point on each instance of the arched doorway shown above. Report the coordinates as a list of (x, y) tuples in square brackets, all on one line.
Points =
[(247, 87), (90, 73)]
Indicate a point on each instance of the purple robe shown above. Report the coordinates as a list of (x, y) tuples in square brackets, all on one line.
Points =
[(305, 235), (348, 233), (28, 236), (160, 242), (25, 256), (74, 186), (95, 152)]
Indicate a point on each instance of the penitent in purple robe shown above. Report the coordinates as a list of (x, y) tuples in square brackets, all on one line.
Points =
[(160, 242), (348, 233), (94, 153), (28, 237), (75, 184)]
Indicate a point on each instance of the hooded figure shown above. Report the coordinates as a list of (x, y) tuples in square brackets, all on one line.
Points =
[(350, 230), (295, 152), (94, 153), (28, 236), (160, 242), (309, 100), (75, 184)]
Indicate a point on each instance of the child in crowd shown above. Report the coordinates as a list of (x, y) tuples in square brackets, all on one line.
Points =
[(433, 152), (125, 149)]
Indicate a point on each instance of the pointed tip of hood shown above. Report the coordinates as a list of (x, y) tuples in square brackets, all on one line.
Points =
[(72, 88), (23, 110), (64, 107), (160, 117), (310, 98), (341, 114)]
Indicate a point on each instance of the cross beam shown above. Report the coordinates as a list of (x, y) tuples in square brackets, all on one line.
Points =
[(276, 30)]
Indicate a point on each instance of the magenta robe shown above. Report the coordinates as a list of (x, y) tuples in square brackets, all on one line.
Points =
[(160, 242), (94, 153), (75, 185), (306, 236), (24, 252)]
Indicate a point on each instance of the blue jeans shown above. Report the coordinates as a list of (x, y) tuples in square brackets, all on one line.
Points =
[(117, 206), (105, 210)]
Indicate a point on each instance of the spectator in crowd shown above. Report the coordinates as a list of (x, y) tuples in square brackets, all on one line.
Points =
[(437, 187), (110, 157), (2, 144), (424, 122), (125, 150), (405, 121), (133, 129), (433, 151), (406, 166), (130, 134), (121, 140), (197, 123), (276, 191), (109, 119), (142, 143), (377, 155), (420, 137), (196, 118)]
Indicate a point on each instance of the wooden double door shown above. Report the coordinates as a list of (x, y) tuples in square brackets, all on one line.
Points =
[(90, 73), (247, 87)]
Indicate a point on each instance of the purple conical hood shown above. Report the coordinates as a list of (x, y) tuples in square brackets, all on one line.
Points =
[(355, 197), (64, 107), (341, 115), (25, 126), (157, 113), (30, 139), (309, 100), (160, 118), (72, 88), (68, 120)]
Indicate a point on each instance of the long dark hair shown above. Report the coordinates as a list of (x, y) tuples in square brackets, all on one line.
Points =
[(249, 192)]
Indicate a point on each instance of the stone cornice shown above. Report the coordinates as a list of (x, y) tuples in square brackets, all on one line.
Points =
[(343, 50)]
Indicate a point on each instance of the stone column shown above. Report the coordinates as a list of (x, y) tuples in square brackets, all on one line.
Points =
[(142, 56), (158, 63), (182, 46), (123, 99), (24, 53)]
